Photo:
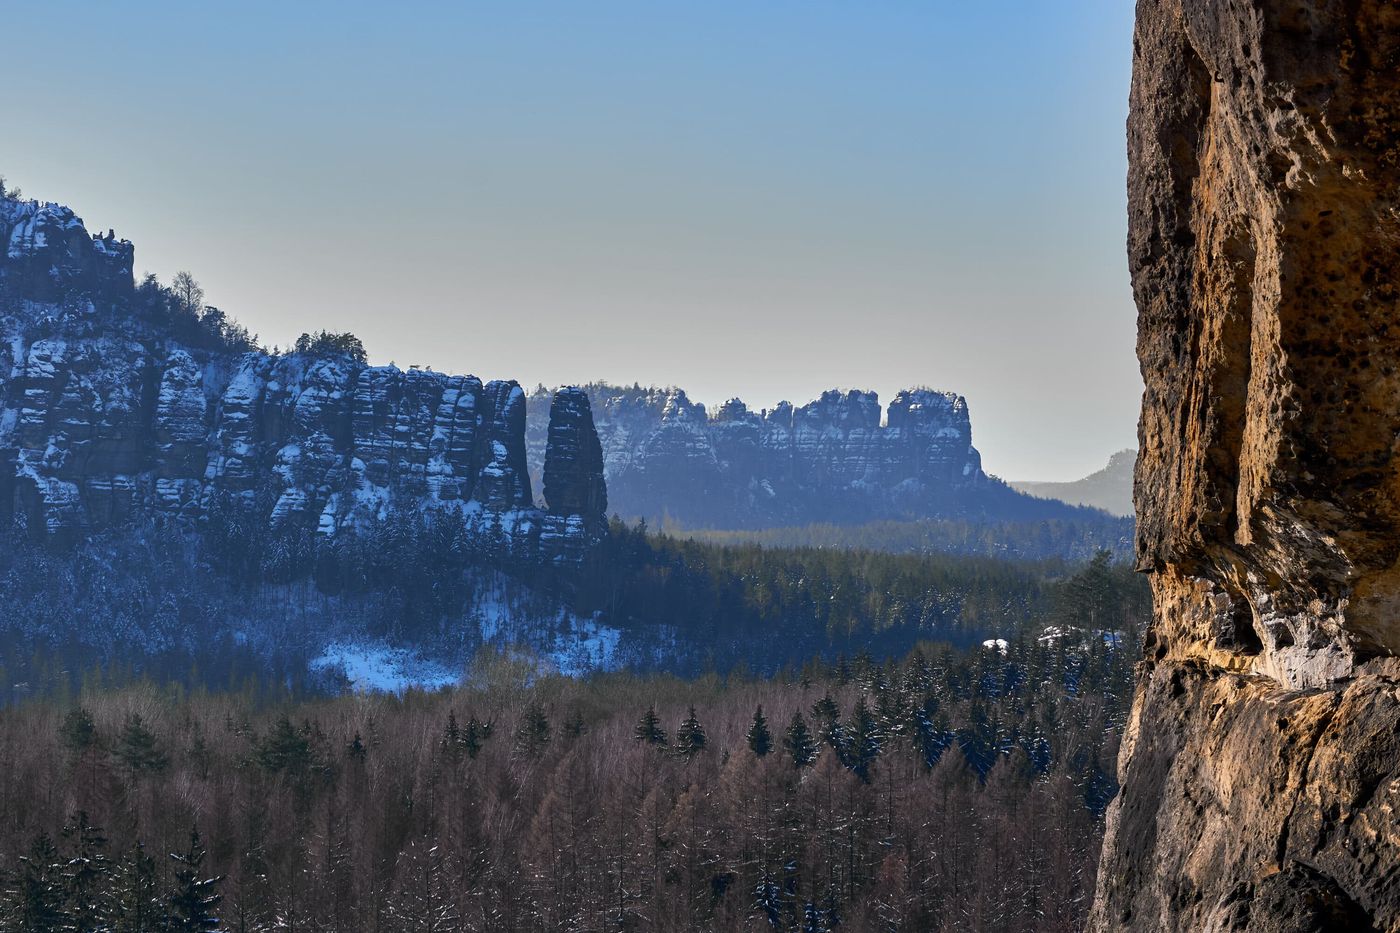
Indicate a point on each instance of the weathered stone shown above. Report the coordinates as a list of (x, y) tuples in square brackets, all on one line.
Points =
[(830, 460), (104, 414), (573, 465), (1261, 766)]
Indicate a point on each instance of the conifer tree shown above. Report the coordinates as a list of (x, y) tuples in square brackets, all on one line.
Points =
[(862, 741), (825, 716), (34, 900), (760, 739), (86, 874), (648, 730), (356, 749), (690, 736), (134, 903), (799, 742), (138, 749), (78, 731), (532, 735), (472, 736), (195, 897)]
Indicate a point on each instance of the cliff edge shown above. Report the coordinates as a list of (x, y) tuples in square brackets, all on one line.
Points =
[(1261, 766)]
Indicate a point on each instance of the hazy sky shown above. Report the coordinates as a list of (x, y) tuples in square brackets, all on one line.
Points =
[(759, 199)]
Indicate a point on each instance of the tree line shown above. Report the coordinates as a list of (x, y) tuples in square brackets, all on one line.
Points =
[(948, 789)]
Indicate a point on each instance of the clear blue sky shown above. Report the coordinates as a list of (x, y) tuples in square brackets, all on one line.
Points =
[(759, 199)]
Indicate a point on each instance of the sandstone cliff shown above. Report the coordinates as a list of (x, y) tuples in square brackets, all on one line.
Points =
[(842, 458), (1261, 768), (107, 415)]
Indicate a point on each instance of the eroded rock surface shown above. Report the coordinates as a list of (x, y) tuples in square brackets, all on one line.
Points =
[(841, 458), (106, 416), (1261, 768)]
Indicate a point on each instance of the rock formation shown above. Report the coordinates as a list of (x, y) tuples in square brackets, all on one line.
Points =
[(1261, 766), (838, 459), (106, 416)]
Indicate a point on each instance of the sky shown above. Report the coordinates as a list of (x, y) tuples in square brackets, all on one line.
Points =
[(752, 199)]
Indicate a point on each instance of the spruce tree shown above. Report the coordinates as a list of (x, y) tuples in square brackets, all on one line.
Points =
[(87, 874), (134, 904), (826, 717), (862, 741), (194, 898), (760, 739), (356, 749), (532, 735), (690, 737), (472, 736), (35, 898), (648, 730), (799, 742)]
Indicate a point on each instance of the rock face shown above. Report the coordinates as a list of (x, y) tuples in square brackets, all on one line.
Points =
[(106, 416), (839, 459), (1261, 766)]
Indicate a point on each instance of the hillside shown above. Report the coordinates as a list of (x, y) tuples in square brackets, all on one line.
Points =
[(1109, 489)]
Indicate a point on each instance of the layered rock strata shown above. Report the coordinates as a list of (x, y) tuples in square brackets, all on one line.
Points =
[(105, 418), (840, 458), (1261, 766)]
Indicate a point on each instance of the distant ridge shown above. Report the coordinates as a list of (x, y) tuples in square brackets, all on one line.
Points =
[(1110, 489)]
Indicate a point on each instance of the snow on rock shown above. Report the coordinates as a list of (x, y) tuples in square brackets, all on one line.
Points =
[(829, 460), (105, 413)]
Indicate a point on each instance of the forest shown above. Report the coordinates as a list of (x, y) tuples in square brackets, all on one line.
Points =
[(946, 789)]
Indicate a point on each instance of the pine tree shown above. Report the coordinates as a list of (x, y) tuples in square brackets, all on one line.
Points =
[(35, 897), (760, 739), (194, 898), (648, 730), (826, 716), (78, 731), (134, 903), (690, 737), (451, 735), (862, 741), (285, 749), (799, 742), (356, 749), (472, 736), (138, 749), (86, 874), (532, 735)]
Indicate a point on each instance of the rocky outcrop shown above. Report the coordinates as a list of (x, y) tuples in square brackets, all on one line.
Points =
[(573, 463), (106, 417), (1261, 767), (839, 459), (49, 255)]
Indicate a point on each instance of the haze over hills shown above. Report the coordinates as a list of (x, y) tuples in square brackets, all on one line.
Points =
[(139, 422), (1110, 489), (841, 459)]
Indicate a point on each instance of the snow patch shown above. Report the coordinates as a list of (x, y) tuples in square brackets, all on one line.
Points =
[(374, 667)]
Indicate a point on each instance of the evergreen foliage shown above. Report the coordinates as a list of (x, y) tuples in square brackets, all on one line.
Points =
[(648, 729), (690, 736), (759, 738)]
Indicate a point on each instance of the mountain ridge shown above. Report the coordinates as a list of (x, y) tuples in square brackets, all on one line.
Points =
[(1109, 488)]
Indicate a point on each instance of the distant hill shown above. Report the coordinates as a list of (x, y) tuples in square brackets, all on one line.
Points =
[(1110, 489), (841, 459)]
